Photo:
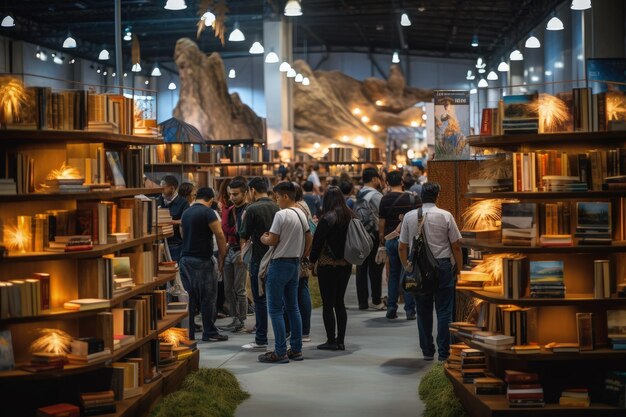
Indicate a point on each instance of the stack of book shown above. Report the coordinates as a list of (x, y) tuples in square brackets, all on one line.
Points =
[(562, 183), (490, 185), (454, 360), (464, 329), (78, 243), (83, 304), (166, 353), (96, 403), (546, 279), (489, 386), (87, 350), (67, 185), (7, 186), (520, 114), (614, 389), (594, 223), (616, 326), (473, 365), (523, 389), (164, 222), (556, 241), (575, 397), (472, 280), (519, 224), (496, 341), (45, 361), (617, 182), (562, 347)]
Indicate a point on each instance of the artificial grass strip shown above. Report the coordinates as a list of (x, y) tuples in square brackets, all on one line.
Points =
[(205, 393), (438, 395)]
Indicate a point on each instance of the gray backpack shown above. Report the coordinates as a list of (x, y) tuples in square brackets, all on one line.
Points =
[(358, 243)]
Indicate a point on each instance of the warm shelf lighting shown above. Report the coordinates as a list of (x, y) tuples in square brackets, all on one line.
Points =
[(516, 55), (256, 48), (483, 83), (284, 67), (503, 67), (272, 58), (175, 5), (492, 76), (293, 8), (8, 22), (395, 58), (236, 35), (581, 5), (404, 20), (69, 42), (532, 42), (555, 24)]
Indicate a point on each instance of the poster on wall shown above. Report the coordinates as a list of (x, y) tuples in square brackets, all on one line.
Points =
[(452, 124), (606, 69)]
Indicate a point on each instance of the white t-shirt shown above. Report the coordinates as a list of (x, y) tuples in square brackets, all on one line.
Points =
[(441, 230), (314, 179), (288, 224)]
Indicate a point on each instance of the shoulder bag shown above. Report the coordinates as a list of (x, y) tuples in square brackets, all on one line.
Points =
[(304, 262), (422, 276)]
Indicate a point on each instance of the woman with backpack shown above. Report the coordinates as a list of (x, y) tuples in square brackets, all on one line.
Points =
[(328, 263)]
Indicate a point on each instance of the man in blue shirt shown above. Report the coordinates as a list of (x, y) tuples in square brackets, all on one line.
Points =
[(177, 205)]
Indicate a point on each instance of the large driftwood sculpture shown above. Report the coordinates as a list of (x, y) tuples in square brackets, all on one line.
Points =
[(204, 100)]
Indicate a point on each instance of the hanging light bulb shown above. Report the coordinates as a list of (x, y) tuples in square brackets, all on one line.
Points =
[(299, 78), (284, 67), (175, 5), (128, 35), (306, 81), (256, 48), (272, 58), (293, 8), (291, 73), (208, 18), (503, 67), (232, 73), (69, 42), (104, 55), (395, 58), (483, 83), (516, 55), (492, 76), (470, 75), (482, 70), (555, 24), (475, 41), (236, 35), (581, 5), (479, 62), (57, 59), (171, 86), (8, 22), (136, 68), (156, 72), (473, 91), (71, 61), (532, 42), (404, 20)]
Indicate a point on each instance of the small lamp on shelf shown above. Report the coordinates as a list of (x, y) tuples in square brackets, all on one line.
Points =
[(53, 341), (19, 237)]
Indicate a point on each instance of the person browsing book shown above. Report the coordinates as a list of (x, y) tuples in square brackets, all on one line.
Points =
[(176, 205)]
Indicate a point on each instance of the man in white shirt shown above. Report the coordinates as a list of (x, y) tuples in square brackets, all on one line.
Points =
[(314, 178), (291, 239), (444, 240)]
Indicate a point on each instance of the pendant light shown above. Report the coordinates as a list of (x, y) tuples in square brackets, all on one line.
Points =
[(272, 58), (156, 72), (395, 58), (284, 67), (136, 67), (555, 24), (104, 55), (232, 73), (475, 41), (293, 8), (306, 81), (581, 5), (128, 35), (404, 20), (492, 76), (256, 48), (208, 18), (532, 42), (483, 83), (479, 63), (236, 35), (516, 55), (175, 5), (8, 22), (69, 42), (299, 78), (482, 70), (503, 67), (171, 86), (291, 73), (470, 75)]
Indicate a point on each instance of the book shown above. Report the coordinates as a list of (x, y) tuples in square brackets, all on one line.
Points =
[(84, 359), (584, 327), (7, 360), (452, 124), (511, 376), (519, 223), (520, 116), (574, 402), (558, 347), (526, 349), (86, 304), (59, 410), (115, 167), (616, 324)]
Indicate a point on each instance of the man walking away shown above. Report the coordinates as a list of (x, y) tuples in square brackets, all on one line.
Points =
[(234, 270), (291, 239), (177, 205), (444, 241), (393, 206), (366, 209), (198, 225), (256, 220), (313, 201)]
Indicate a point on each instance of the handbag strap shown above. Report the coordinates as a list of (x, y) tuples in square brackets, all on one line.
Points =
[(303, 229)]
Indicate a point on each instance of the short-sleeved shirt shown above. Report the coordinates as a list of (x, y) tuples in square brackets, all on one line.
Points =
[(197, 234), (439, 225), (177, 207), (256, 220), (314, 178), (374, 196), (395, 204), (290, 225)]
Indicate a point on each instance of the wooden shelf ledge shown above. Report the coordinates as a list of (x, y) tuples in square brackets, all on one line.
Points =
[(570, 299), (89, 195), (549, 195), (19, 136), (616, 246), (550, 139)]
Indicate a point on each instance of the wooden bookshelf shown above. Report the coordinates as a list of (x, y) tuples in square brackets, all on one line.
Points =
[(108, 194), (570, 299), (138, 289), (545, 195), (351, 162), (615, 247), (16, 137), (549, 139)]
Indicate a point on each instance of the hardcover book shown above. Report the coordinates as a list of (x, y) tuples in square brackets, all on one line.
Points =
[(593, 217), (7, 360)]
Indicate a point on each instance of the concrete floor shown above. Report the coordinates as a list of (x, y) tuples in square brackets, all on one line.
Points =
[(377, 375)]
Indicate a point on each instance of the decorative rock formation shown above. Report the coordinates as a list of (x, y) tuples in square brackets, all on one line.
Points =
[(204, 100)]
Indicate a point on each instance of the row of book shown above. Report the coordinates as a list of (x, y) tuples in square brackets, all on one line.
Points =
[(25, 297)]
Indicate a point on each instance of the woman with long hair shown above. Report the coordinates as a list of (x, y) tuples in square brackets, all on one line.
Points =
[(333, 271)]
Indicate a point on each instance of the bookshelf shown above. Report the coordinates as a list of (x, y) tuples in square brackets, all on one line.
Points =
[(101, 209), (550, 319)]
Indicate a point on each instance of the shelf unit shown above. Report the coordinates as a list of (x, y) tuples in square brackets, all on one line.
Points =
[(77, 275), (555, 317)]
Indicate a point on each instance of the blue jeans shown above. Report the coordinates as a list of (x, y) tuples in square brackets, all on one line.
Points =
[(201, 284), (444, 306), (260, 305), (281, 287), (395, 277), (304, 304)]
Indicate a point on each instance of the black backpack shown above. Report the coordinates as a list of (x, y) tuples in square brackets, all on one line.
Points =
[(423, 277), (364, 212)]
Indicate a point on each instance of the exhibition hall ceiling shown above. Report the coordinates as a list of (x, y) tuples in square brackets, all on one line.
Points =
[(439, 28)]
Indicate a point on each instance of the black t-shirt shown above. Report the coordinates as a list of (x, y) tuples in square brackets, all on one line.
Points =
[(257, 220), (197, 235), (393, 205)]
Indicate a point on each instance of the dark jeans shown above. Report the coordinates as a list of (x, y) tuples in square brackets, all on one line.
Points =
[(333, 281), (304, 305), (175, 251), (260, 305), (282, 295), (443, 299), (394, 287), (375, 272), (201, 284)]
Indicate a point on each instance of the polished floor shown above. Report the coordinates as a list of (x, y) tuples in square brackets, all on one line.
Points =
[(376, 376)]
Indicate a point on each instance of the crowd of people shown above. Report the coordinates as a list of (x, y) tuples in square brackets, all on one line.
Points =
[(261, 243)]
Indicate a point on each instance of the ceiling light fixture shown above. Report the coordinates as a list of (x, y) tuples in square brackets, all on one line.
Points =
[(581, 5), (175, 5), (479, 63), (69, 42), (147, 82), (470, 75), (113, 75), (232, 73), (236, 35), (492, 76), (105, 73), (503, 67), (272, 58), (555, 24), (136, 68), (291, 73), (306, 81), (256, 48), (299, 78), (395, 58), (41, 55), (532, 42), (404, 20), (172, 86), (71, 61), (8, 22), (125, 74), (98, 70), (128, 35), (293, 8), (483, 83), (104, 55), (284, 67), (516, 55), (473, 91), (57, 60), (156, 72), (208, 18), (482, 70), (475, 41)]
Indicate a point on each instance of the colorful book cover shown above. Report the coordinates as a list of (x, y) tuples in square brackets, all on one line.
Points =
[(546, 271), (594, 215), (7, 360), (452, 115)]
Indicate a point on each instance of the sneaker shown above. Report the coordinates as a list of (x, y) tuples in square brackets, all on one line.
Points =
[(391, 315), (411, 316), (254, 346), (306, 338), (428, 358), (328, 346), (380, 306), (271, 357), (231, 325), (215, 338), (238, 328), (294, 356)]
